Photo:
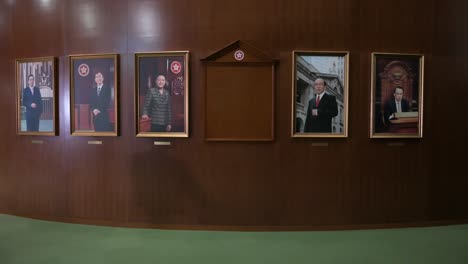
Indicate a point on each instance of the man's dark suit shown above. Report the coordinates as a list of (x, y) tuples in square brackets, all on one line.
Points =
[(327, 109), (32, 114), (101, 103), (390, 108)]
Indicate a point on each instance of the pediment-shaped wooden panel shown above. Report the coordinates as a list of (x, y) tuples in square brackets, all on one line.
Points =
[(239, 94), (239, 52)]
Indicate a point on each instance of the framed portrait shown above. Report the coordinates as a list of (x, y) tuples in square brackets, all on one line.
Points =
[(320, 94), (94, 95), (396, 95), (161, 94), (36, 96)]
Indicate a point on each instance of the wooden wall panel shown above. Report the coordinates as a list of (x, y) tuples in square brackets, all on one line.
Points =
[(239, 103), (287, 182), (446, 126), (7, 81)]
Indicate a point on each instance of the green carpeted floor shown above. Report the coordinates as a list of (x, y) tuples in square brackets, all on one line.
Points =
[(32, 241)]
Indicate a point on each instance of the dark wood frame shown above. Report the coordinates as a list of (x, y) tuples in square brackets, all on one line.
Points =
[(263, 60)]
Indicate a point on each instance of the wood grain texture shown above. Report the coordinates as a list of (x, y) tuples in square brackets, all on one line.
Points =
[(288, 182)]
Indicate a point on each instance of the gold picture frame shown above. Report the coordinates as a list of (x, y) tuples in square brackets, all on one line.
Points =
[(397, 89), (94, 90), (324, 73), (36, 96), (162, 94)]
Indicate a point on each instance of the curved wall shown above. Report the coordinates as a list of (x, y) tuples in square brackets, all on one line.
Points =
[(129, 181)]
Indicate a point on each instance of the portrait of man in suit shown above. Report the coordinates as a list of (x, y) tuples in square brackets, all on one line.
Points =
[(99, 103), (35, 90), (397, 101), (32, 101), (94, 93), (396, 105), (320, 86), (322, 108)]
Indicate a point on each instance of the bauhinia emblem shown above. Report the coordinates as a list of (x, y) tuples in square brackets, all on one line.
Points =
[(83, 70), (176, 67), (239, 55)]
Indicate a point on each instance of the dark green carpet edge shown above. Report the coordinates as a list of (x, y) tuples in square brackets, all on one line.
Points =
[(24, 240)]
